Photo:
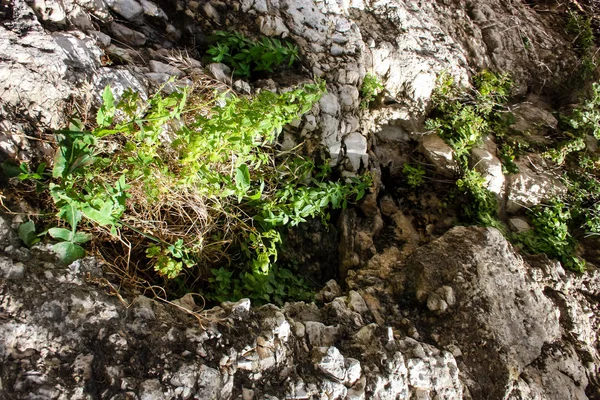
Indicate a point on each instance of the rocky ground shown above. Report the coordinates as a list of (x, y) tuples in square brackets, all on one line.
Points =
[(423, 310)]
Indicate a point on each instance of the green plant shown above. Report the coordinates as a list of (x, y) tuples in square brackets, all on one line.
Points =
[(210, 194), (370, 89), (581, 28), (68, 248), (559, 153), (246, 56), (277, 286), (585, 120), (414, 175), (27, 234), (462, 118), (551, 235)]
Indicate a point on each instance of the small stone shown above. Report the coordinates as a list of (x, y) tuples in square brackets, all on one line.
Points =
[(151, 389), (221, 72), (160, 67), (152, 10), (518, 225), (336, 50), (440, 154), (50, 11), (332, 363), (242, 86), (357, 303), (329, 292), (128, 9), (127, 35), (353, 371), (436, 303), (319, 334), (102, 39)]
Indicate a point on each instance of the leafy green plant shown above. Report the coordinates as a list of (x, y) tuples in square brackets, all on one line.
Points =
[(277, 286), (559, 153), (27, 234), (462, 118), (414, 175), (369, 90), (195, 191), (68, 248), (581, 28), (551, 235), (585, 120), (246, 56)]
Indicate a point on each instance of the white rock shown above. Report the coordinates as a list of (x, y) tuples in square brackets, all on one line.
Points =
[(331, 363), (50, 11), (160, 67), (221, 72), (332, 390), (353, 371), (488, 165), (357, 303), (440, 154), (319, 334), (529, 187), (356, 150), (329, 104), (518, 225)]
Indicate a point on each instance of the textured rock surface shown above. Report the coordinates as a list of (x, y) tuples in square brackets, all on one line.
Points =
[(463, 317), (76, 338)]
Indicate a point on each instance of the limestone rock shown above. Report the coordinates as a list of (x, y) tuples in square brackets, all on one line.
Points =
[(440, 154), (497, 303), (529, 187)]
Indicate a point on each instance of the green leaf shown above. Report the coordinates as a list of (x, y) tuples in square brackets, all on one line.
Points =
[(68, 252), (102, 216), (81, 237), (70, 214), (61, 233), (27, 233), (10, 170), (242, 178)]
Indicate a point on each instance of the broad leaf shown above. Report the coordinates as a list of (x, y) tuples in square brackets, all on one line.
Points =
[(27, 233), (61, 233), (70, 214), (68, 252), (242, 178)]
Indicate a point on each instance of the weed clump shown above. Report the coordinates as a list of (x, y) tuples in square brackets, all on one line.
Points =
[(246, 56), (197, 199), (462, 118), (370, 89)]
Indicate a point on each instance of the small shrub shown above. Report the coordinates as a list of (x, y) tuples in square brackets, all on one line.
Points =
[(581, 28), (551, 235), (246, 56), (369, 90), (462, 118), (210, 194)]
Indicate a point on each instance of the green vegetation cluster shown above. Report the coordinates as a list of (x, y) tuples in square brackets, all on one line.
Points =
[(462, 118), (580, 27), (246, 56), (195, 188), (369, 90)]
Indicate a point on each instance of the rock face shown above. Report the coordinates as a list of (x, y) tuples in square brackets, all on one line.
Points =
[(497, 327), (76, 338), (462, 317)]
